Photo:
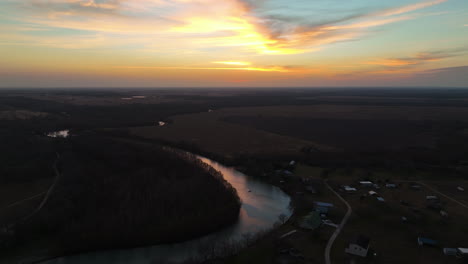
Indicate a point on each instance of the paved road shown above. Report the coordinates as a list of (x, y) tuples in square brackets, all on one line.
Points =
[(339, 228)]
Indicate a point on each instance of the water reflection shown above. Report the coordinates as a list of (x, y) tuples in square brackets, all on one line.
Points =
[(261, 208)]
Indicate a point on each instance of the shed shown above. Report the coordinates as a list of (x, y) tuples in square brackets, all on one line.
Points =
[(366, 183), (349, 188), (310, 189), (323, 204), (311, 221), (462, 252), (359, 246), (450, 251), (423, 241)]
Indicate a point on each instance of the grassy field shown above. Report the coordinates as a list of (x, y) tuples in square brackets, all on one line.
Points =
[(210, 133)]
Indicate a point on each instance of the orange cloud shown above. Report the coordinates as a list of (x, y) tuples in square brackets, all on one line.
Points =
[(259, 69), (235, 63)]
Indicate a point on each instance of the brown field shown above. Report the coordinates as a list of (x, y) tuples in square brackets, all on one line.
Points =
[(207, 131)]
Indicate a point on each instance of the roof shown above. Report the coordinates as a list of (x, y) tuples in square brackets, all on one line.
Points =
[(311, 221), (463, 250), (321, 204), (380, 199), (372, 193), (426, 241), (365, 182), (450, 251), (361, 241)]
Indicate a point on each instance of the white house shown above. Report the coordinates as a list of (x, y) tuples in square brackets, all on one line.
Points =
[(366, 183), (349, 188), (359, 246), (462, 252)]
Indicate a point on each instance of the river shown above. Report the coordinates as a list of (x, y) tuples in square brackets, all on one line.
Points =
[(262, 205)]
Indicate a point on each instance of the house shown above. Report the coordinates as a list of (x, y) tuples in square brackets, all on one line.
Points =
[(292, 163), (311, 221), (450, 251), (431, 198), (461, 189), (443, 213), (391, 185), (359, 246), (372, 193), (462, 252), (366, 183), (310, 189), (287, 173), (380, 199), (322, 208), (415, 187), (323, 204), (349, 188), (423, 241)]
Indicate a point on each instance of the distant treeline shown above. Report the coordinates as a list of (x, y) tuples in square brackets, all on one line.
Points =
[(122, 194)]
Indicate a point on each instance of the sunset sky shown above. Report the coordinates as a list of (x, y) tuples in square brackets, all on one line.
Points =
[(244, 43)]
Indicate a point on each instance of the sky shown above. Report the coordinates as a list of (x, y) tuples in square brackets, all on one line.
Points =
[(233, 43)]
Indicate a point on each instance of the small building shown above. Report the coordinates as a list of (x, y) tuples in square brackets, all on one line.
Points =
[(349, 188), (423, 241), (372, 193), (311, 221), (292, 163), (310, 189), (450, 251), (461, 189), (462, 252), (287, 173), (323, 208), (432, 198), (380, 199), (391, 185), (359, 246), (443, 213), (366, 183), (415, 187)]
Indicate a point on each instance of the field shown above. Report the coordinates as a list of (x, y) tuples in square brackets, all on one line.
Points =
[(341, 135)]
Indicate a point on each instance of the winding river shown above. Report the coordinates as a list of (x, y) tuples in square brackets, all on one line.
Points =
[(262, 204)]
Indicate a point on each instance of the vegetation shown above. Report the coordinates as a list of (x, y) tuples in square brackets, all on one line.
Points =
[(122, 194)]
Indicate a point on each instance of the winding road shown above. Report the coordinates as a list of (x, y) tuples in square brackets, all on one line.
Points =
[(339, 228)]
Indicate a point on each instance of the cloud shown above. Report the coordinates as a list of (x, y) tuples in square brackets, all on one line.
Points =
[(287, 33), (250, 68), (239, 24), (418, 59), (235, 63)]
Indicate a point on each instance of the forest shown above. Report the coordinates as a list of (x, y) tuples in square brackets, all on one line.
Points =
[(114, 194)]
